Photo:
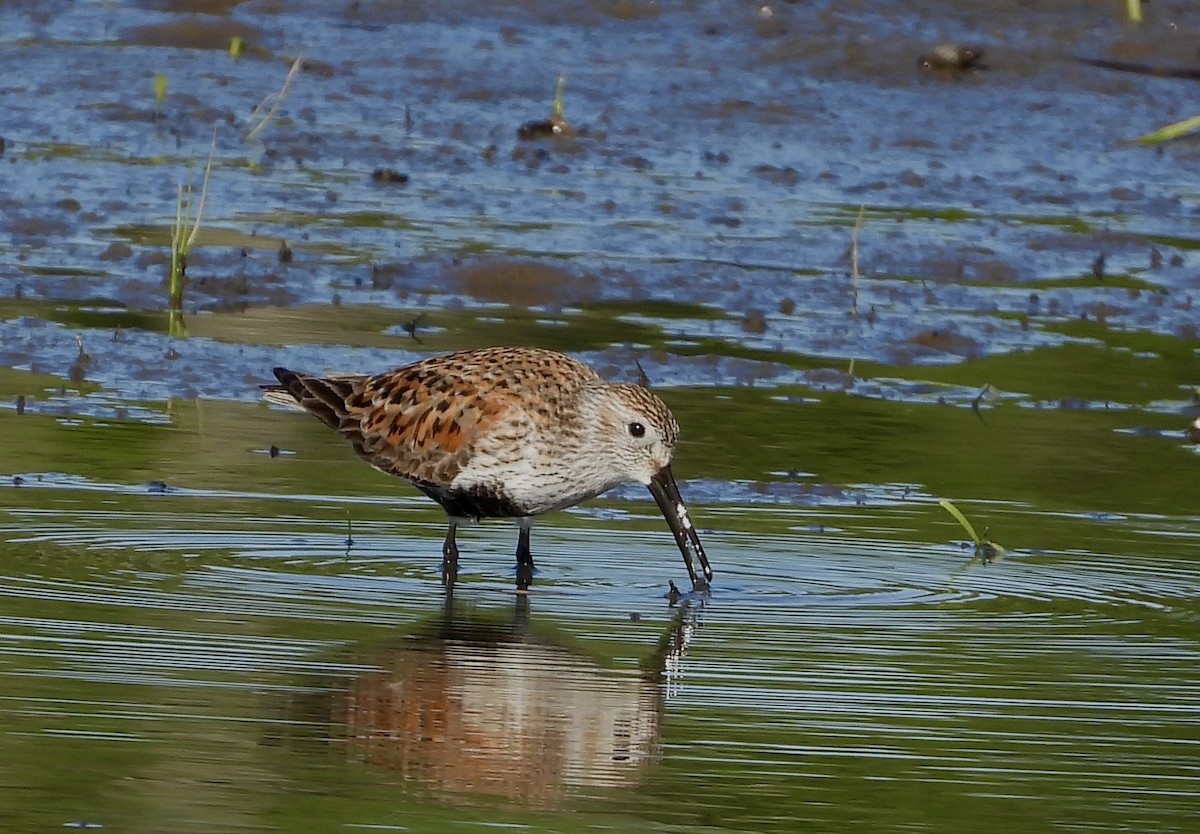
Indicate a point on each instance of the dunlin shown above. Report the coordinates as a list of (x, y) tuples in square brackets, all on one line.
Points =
[(504, 432)]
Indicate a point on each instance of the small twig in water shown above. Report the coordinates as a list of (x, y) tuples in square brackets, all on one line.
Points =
[(984, 392), (643, 379), (410, 327)]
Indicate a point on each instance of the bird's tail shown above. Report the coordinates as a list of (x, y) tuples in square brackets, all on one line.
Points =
[(325, 398)]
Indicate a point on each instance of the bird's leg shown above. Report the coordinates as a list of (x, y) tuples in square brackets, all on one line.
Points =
[(450, 557), (524, 555)]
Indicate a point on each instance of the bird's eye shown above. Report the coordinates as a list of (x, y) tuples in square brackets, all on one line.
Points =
[(637, 430)]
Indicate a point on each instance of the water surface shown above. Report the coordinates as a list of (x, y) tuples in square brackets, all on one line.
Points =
[(862, 288)]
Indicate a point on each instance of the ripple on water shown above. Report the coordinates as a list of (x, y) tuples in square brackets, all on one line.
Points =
[(822, 565), (834, 652)]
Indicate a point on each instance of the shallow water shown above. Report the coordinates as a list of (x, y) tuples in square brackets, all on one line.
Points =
[(213, 619), (233, 661)]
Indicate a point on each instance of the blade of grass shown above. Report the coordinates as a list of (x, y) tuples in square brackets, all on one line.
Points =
[(1171, 131), (961, 519), (855, 275), (160, 94), (559, 94), (183, 238), (212, 149), (275, 100)]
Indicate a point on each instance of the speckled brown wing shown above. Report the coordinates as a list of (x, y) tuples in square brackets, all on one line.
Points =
[(420, 422), (397, 422)]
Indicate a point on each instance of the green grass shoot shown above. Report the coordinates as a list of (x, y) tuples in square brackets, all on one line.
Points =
[(1171, 131), (559, 94), (985, 550), (273, 101), (960, 518), (237, 47), (1133, 9), (160, 94), (183, 238)]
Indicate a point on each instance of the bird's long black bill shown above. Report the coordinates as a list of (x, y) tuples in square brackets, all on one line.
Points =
[(666, 493)]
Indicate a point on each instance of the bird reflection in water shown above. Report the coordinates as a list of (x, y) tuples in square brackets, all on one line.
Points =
[(481, 703)]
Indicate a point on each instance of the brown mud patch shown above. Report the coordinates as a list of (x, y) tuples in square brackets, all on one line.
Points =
[(522, 283), (193, 33)]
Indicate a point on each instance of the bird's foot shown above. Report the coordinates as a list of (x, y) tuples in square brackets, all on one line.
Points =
[(700, 587)]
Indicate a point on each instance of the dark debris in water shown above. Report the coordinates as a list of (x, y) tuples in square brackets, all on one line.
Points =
[(952, 58), (389, 176)]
